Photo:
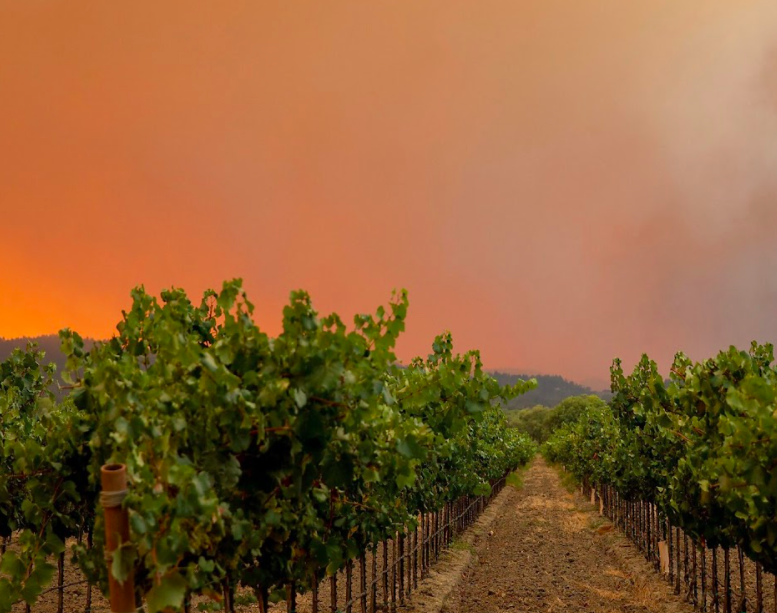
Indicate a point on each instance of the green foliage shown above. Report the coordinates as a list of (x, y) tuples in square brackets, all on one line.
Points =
[(44, 496), (586, 446), (530, 421), (702, 445), (51, 356), (251, 459), (541, 422)]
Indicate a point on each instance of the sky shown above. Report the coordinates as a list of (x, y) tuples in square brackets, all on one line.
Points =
[(556, 182)]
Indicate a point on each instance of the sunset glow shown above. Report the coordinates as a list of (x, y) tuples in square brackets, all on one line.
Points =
[(556, 182)]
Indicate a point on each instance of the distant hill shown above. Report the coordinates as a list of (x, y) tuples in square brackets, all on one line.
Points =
[(551, 389)]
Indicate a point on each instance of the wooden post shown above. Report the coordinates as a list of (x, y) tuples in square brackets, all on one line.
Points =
[(670, 552), (715, 597), (394, 572), (348, 586), (226, 588), (742, 605), (333, 593), (648, 533), (363, 581), (89, 543), (678, 559), (61, 582), (423, 545), (385, 575), (315, 592), (291, 598), (415, 557), (695, 577), (727, 579), (703, 552), (436, 535), (663, 556), (401, 569), (374, 582), (113, 478)]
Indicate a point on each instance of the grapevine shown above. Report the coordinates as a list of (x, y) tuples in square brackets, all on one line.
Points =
[(255, 461), (702, 445)]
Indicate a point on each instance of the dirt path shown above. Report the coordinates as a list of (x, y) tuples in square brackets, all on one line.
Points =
[(551, 551)]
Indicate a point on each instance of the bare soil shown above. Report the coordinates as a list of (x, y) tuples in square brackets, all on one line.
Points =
[(549, 550)]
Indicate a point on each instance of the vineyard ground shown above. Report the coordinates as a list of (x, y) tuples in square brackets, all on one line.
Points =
[(439, 586), (551, 551)]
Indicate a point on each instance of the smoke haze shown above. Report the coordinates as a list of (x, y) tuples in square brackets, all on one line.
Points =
[(557, 182)]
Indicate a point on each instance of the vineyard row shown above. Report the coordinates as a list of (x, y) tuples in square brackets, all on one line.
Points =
[(386, 575), (693, 455), (253, 462)]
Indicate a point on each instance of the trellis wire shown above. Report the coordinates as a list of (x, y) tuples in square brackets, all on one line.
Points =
[(693, 570), (410, 558), (60, 587), (406, 559)]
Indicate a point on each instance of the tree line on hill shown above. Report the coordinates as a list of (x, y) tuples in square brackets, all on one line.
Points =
[(550, 390)]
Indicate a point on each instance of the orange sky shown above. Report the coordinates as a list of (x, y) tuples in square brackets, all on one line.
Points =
[(557, 182)]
